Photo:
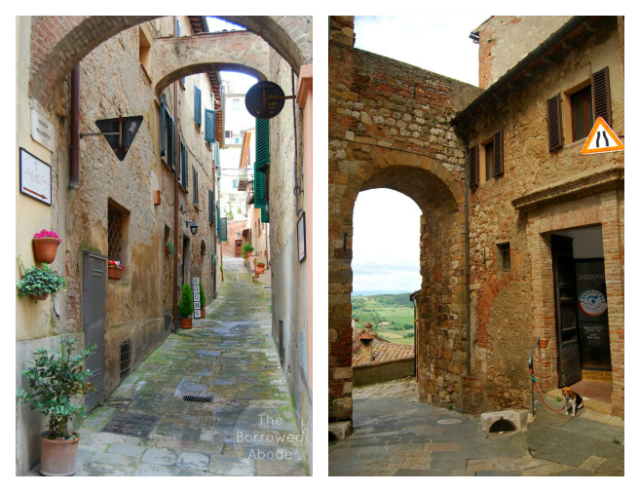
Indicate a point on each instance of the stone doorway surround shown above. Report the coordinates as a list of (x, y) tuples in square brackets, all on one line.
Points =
[(588, 199)]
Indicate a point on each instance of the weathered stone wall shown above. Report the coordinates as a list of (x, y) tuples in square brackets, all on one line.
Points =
[(510, 309), (505, 40), (389, 127)]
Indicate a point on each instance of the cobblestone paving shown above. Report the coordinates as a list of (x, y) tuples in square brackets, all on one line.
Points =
[(394, 434), (229, 356)]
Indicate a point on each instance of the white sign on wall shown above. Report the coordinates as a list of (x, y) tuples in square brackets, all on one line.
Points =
[(195, 287), (42, 130), (35, 177)]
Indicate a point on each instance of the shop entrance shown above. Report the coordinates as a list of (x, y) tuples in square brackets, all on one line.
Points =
[(582, 324)]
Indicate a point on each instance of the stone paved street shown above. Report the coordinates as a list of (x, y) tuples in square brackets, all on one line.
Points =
[(394, 434), (229, 356)]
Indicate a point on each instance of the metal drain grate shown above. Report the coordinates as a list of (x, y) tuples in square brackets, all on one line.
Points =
[(198, 399)]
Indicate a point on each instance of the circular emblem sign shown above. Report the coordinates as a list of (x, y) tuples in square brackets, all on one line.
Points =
[(592, 302), (264, 100)]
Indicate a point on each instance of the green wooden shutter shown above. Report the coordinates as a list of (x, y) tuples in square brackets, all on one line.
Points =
[(264, 216), (197, 106), (223, 229), (209, 125), (554, 122), (163, 127), (218, 217), (258, 188), (262, 144), (600, 96)]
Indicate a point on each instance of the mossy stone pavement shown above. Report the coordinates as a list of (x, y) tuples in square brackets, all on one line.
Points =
[(394, 434), (248, 428)]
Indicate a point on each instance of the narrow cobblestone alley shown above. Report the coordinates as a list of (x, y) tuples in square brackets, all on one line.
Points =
[(146, 428)]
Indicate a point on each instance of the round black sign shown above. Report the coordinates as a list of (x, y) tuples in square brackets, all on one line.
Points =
[(264, 100)]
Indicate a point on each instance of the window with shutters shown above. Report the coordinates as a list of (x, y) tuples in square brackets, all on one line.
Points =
[(167, 135), (490, 158), (212, 207), (209, 126), (184, 169), (262, 144), (581, 114)]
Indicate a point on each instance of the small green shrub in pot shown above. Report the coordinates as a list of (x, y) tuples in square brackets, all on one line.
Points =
[(38, 283), (247, 249)]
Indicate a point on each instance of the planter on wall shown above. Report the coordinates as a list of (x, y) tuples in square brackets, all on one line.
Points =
[(202, 314), (115, 273), (46, 249), (40, 298), (186, 323), (259, 269), (58, 456)]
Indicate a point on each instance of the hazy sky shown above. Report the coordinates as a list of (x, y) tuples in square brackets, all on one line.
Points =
[(386, 241)]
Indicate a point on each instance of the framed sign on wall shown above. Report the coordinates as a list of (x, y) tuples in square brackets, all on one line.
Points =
[(302, 239), (35, 177)]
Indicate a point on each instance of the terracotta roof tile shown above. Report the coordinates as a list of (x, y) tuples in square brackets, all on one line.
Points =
[(383, 350)]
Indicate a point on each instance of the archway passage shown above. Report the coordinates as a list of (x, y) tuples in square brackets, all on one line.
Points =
[(441, 347), (59, 43)]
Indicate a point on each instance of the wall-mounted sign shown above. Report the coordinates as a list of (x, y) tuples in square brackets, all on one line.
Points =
[(602, 139), (42, 130), (264, 100), (35, 177), (195, 288)]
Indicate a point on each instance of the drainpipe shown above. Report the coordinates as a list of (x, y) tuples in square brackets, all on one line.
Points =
[(176, 163), (74, 168)]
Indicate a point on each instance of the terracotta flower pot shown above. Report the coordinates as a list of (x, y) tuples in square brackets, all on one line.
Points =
[(58, 457), (259, 269), (186, 323), (40, 298), (202, 314), (46, 249), (115, 273)]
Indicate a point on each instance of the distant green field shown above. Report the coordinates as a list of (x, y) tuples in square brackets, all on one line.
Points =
[(394, 308)]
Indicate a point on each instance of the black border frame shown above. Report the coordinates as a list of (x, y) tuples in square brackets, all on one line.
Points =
[(50, 178)]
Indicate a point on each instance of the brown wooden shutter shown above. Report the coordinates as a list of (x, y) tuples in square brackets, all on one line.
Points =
[(600, 95), (554, 122), (474, 167), (498, 153)]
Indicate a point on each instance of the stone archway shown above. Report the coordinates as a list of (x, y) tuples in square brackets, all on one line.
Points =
[(237, 51), (442, 304), (59, 43)]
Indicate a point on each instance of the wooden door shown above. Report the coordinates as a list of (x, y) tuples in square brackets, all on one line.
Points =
[(564, 279), (238, 248)]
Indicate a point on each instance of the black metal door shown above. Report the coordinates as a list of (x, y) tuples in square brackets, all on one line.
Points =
[(94, 286), (564, 277)]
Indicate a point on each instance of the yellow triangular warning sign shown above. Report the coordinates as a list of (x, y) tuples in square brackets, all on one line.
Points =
[(602, 139)]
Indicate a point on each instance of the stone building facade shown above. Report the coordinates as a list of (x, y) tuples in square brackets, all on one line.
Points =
[(166, 70), (487, 290)]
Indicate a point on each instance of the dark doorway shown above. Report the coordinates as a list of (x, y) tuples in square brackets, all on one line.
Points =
[(186, 260), (238, 248), (94, 285)]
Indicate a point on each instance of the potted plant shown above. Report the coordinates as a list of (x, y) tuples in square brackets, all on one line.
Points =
[(259, 268), (52, 383), (203, 301), (115, 270), (185, 309), (247, 249), (38, 283), (169, 249), (46, 244)]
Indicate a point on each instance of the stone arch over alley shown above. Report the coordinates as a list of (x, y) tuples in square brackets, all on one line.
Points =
[(440, 197), (59, 43), (236, 51)]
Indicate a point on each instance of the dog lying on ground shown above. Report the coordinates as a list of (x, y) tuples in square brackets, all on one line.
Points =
[(571, 400)]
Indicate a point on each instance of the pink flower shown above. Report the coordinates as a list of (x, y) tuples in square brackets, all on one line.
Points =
[(46, 234)]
